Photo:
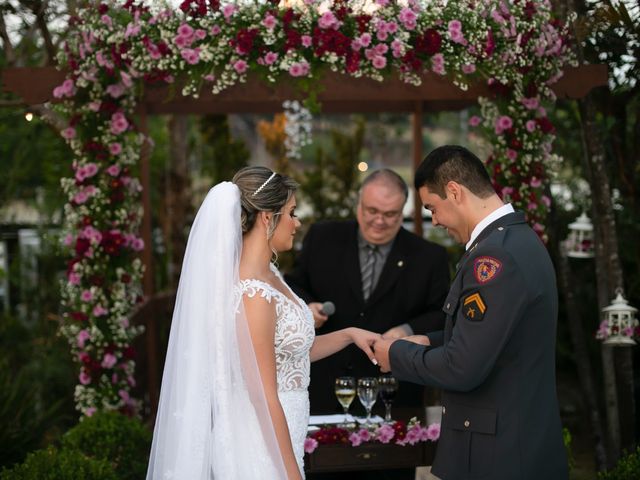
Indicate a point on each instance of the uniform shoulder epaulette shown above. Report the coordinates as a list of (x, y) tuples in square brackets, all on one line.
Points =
[(496, 236)]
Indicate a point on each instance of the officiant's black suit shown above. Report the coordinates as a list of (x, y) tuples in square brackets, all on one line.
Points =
[(411, 289)]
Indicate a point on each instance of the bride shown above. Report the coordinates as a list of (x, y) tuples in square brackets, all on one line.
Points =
[(234, 401)]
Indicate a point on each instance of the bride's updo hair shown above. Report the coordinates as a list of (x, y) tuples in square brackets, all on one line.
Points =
[(256, 196)]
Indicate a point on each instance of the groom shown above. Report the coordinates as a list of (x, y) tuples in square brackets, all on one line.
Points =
[(495, 359)]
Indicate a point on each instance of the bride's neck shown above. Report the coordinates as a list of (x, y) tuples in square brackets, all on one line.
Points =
[(256, 254)]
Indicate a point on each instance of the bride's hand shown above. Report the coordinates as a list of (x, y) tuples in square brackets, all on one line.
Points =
[(365, 339)]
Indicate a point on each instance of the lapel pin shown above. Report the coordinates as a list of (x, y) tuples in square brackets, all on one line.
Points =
[(400, 263)]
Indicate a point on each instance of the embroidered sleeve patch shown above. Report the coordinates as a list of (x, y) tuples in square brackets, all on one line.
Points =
[(486, 268), (474, 307)]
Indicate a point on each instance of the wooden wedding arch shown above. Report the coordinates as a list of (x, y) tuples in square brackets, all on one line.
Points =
[(338, 94)]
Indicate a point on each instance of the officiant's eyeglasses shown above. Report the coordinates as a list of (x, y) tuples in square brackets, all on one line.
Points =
[(372, 212)]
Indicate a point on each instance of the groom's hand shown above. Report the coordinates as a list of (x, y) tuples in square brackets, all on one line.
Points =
[(381, 351)]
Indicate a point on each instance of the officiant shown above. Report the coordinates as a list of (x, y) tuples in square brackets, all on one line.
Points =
[(378, 275)]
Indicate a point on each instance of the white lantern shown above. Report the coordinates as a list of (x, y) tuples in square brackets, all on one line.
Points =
[(619, 323), (580, 241)]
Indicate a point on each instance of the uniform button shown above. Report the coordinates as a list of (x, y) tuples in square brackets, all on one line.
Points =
[(362, 314), (467, 423), (500, 228), (448, 305), (444, 410)]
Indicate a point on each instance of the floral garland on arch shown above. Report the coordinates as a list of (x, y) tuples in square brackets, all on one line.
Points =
[(114, 49)]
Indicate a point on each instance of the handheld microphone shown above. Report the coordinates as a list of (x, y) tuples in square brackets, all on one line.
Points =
[(328, 308)]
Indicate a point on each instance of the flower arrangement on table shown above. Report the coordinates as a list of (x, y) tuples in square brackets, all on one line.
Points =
[(114, 51), (398, 433)]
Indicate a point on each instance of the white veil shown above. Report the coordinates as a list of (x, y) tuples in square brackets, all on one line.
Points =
[(213, 421)]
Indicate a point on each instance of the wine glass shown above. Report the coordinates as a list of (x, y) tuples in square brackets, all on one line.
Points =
[(345, 392), (368, 393), (388, 389)]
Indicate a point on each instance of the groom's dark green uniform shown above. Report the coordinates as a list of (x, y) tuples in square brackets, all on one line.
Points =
[(495, 361)]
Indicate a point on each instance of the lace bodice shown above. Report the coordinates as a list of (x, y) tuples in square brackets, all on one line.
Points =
[(294, 333), (294, 336)]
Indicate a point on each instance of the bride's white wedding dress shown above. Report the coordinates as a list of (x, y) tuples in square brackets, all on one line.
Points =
[(213, 420), (294, 335)]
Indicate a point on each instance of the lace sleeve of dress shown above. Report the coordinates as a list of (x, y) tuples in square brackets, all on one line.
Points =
[(252, 287)]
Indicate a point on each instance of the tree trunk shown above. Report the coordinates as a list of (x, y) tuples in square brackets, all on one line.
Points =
[(583, 362), (608, 274)]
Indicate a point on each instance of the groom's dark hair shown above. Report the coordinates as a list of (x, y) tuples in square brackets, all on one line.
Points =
[(453, 163)]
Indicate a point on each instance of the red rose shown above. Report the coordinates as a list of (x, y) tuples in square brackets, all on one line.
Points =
[(82, 245), (430, 42), (545, 125)]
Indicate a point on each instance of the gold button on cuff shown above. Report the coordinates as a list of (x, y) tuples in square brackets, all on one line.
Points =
[(444, 410), (466, 423)]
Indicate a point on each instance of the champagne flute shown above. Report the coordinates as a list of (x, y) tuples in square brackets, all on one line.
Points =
[(388, 390), (368, 393), (345, 389)]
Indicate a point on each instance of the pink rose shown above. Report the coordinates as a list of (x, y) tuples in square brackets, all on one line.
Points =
[(240, 66), (468, 68), (530, 125), (99, 311), (433, 432), (82, 337), (215, 30), (379, 62), (191, 56), (355, 439), (475, 121), (90, 411), (109, 360), (185, 30), (80, 197), (119, 123), (86, 296), (228, 10), (502, 123), (69, 133), (310, 444), (512, 154), (84, 378), (269, 22), (531, 103), (113, 170), (137, 244), (328, 20), (307, 41), (299, 69), (270, 58), (116, 90), (115, 149)]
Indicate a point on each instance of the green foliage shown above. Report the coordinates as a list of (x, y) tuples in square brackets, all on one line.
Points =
[(34, 158), (330, 185), (222, 155), (628, 468), (23, 417), (566, 439), (124, 442), (53, 464)]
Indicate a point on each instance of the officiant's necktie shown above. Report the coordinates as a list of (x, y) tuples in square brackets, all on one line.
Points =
[(368, 269)]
